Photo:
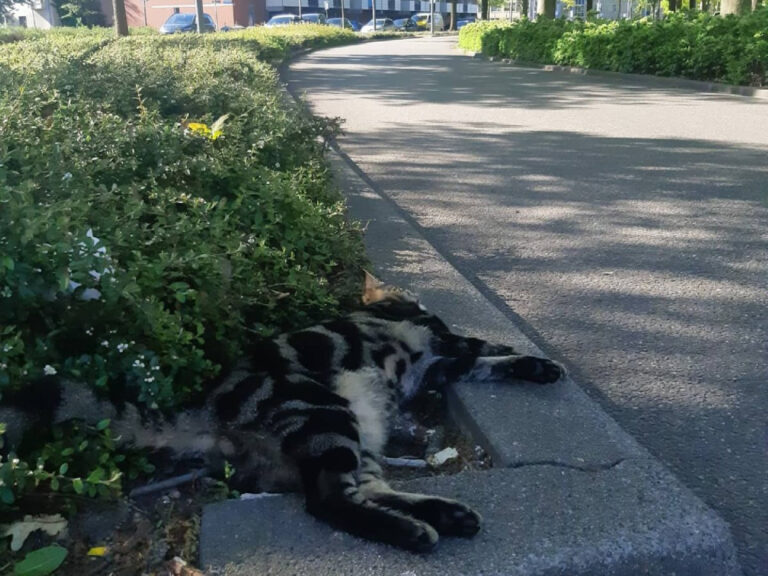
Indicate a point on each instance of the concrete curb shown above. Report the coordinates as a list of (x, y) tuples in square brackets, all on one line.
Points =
[(661, 81), (571, 493)]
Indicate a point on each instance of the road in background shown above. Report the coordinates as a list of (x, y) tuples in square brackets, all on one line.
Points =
[(625, 221)]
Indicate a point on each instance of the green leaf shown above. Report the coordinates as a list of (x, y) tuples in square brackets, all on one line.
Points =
[(77, 485), (96, 476), (103, 424), (41, 562), (55, 484), (63, 281), (7, 262), (6, 495), (63, 468)]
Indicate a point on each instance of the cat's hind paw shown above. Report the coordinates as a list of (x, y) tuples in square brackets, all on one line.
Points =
[(538, 370)]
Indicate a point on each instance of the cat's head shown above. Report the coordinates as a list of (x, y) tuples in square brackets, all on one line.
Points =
[(375, 291)]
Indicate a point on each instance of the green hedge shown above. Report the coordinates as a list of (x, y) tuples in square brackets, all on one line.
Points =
[(688, 44), (141, 242)]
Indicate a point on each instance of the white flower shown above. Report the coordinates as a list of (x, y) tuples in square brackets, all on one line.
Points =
[(66, 177), (90, 235), (90, 294), (105, 343), (49, 370), (122, 347)]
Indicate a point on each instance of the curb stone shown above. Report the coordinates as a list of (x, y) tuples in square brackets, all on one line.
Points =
[(570, 494)]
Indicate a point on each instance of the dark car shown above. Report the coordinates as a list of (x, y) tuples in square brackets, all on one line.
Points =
[(186, 22), (282, 20), (348, 24), (463, 22), (405, 24), (314, 18)]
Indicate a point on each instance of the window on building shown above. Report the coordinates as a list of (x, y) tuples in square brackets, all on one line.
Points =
[(23, 21)]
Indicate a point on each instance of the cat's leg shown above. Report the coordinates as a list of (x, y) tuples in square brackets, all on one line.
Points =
[(335, 496), (492, 369), (455, 346), (319, 431), (448, 517)]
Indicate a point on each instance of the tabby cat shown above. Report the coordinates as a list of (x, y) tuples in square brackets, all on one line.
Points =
[(326, 395)]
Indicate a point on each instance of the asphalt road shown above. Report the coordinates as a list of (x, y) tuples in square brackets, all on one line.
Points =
[(625, 221)]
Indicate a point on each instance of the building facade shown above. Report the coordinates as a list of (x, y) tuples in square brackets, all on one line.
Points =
[(39, 14), (154, 13), (361, 10)]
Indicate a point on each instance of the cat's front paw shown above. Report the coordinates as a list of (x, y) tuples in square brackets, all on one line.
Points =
[(539, 370)]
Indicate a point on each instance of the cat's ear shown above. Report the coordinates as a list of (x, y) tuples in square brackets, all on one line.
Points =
[(372, 289)]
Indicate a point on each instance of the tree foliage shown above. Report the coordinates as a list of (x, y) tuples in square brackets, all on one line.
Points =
[(5, 6)]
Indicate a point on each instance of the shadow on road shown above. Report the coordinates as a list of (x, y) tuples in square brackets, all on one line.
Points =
[(423, 78)]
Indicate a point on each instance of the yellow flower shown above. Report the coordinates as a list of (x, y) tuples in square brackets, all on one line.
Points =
[(203, 130), (200, 129)]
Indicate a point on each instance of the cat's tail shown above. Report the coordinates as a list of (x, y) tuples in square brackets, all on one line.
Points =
[(46, 401)]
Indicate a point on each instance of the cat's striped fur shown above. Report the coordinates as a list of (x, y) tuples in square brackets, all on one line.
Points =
[(327, 396)]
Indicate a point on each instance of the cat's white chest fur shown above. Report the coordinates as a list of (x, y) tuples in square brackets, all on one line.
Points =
[(368, 398)]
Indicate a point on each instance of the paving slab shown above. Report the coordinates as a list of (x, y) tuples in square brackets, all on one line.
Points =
[(570, 493), (537, 520)]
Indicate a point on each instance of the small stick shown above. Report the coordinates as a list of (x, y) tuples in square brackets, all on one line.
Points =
[(405, 462), (169, 483)]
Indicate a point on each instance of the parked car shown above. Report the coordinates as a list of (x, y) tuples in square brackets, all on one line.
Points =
[(382, 25), (314, 18), (405, 25), (186, 22), (423, 21), (349, 24), (283, 20), (463, 22)]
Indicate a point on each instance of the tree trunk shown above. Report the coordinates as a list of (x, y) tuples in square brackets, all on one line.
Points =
[(199, 15), (484, 6), (121, 20), (453, 16), (734, 7), (524, 8), (673, 5), (590, 5), (546, 8)]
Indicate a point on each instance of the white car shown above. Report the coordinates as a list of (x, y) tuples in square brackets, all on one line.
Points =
[(382, 25), (423, 21)]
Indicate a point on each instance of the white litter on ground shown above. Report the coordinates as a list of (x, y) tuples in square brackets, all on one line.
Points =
[(259, 496), (440, 458)]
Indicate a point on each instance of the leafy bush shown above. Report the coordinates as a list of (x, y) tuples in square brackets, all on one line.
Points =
[(688, 44), (163, 202)]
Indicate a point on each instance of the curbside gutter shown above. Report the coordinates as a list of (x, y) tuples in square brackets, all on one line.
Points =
[(662, 81), (570, 492)]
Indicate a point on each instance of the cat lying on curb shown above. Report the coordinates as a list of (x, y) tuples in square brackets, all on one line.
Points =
[(326, 395)]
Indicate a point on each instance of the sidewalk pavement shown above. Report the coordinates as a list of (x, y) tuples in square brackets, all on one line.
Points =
[(570, 492)]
